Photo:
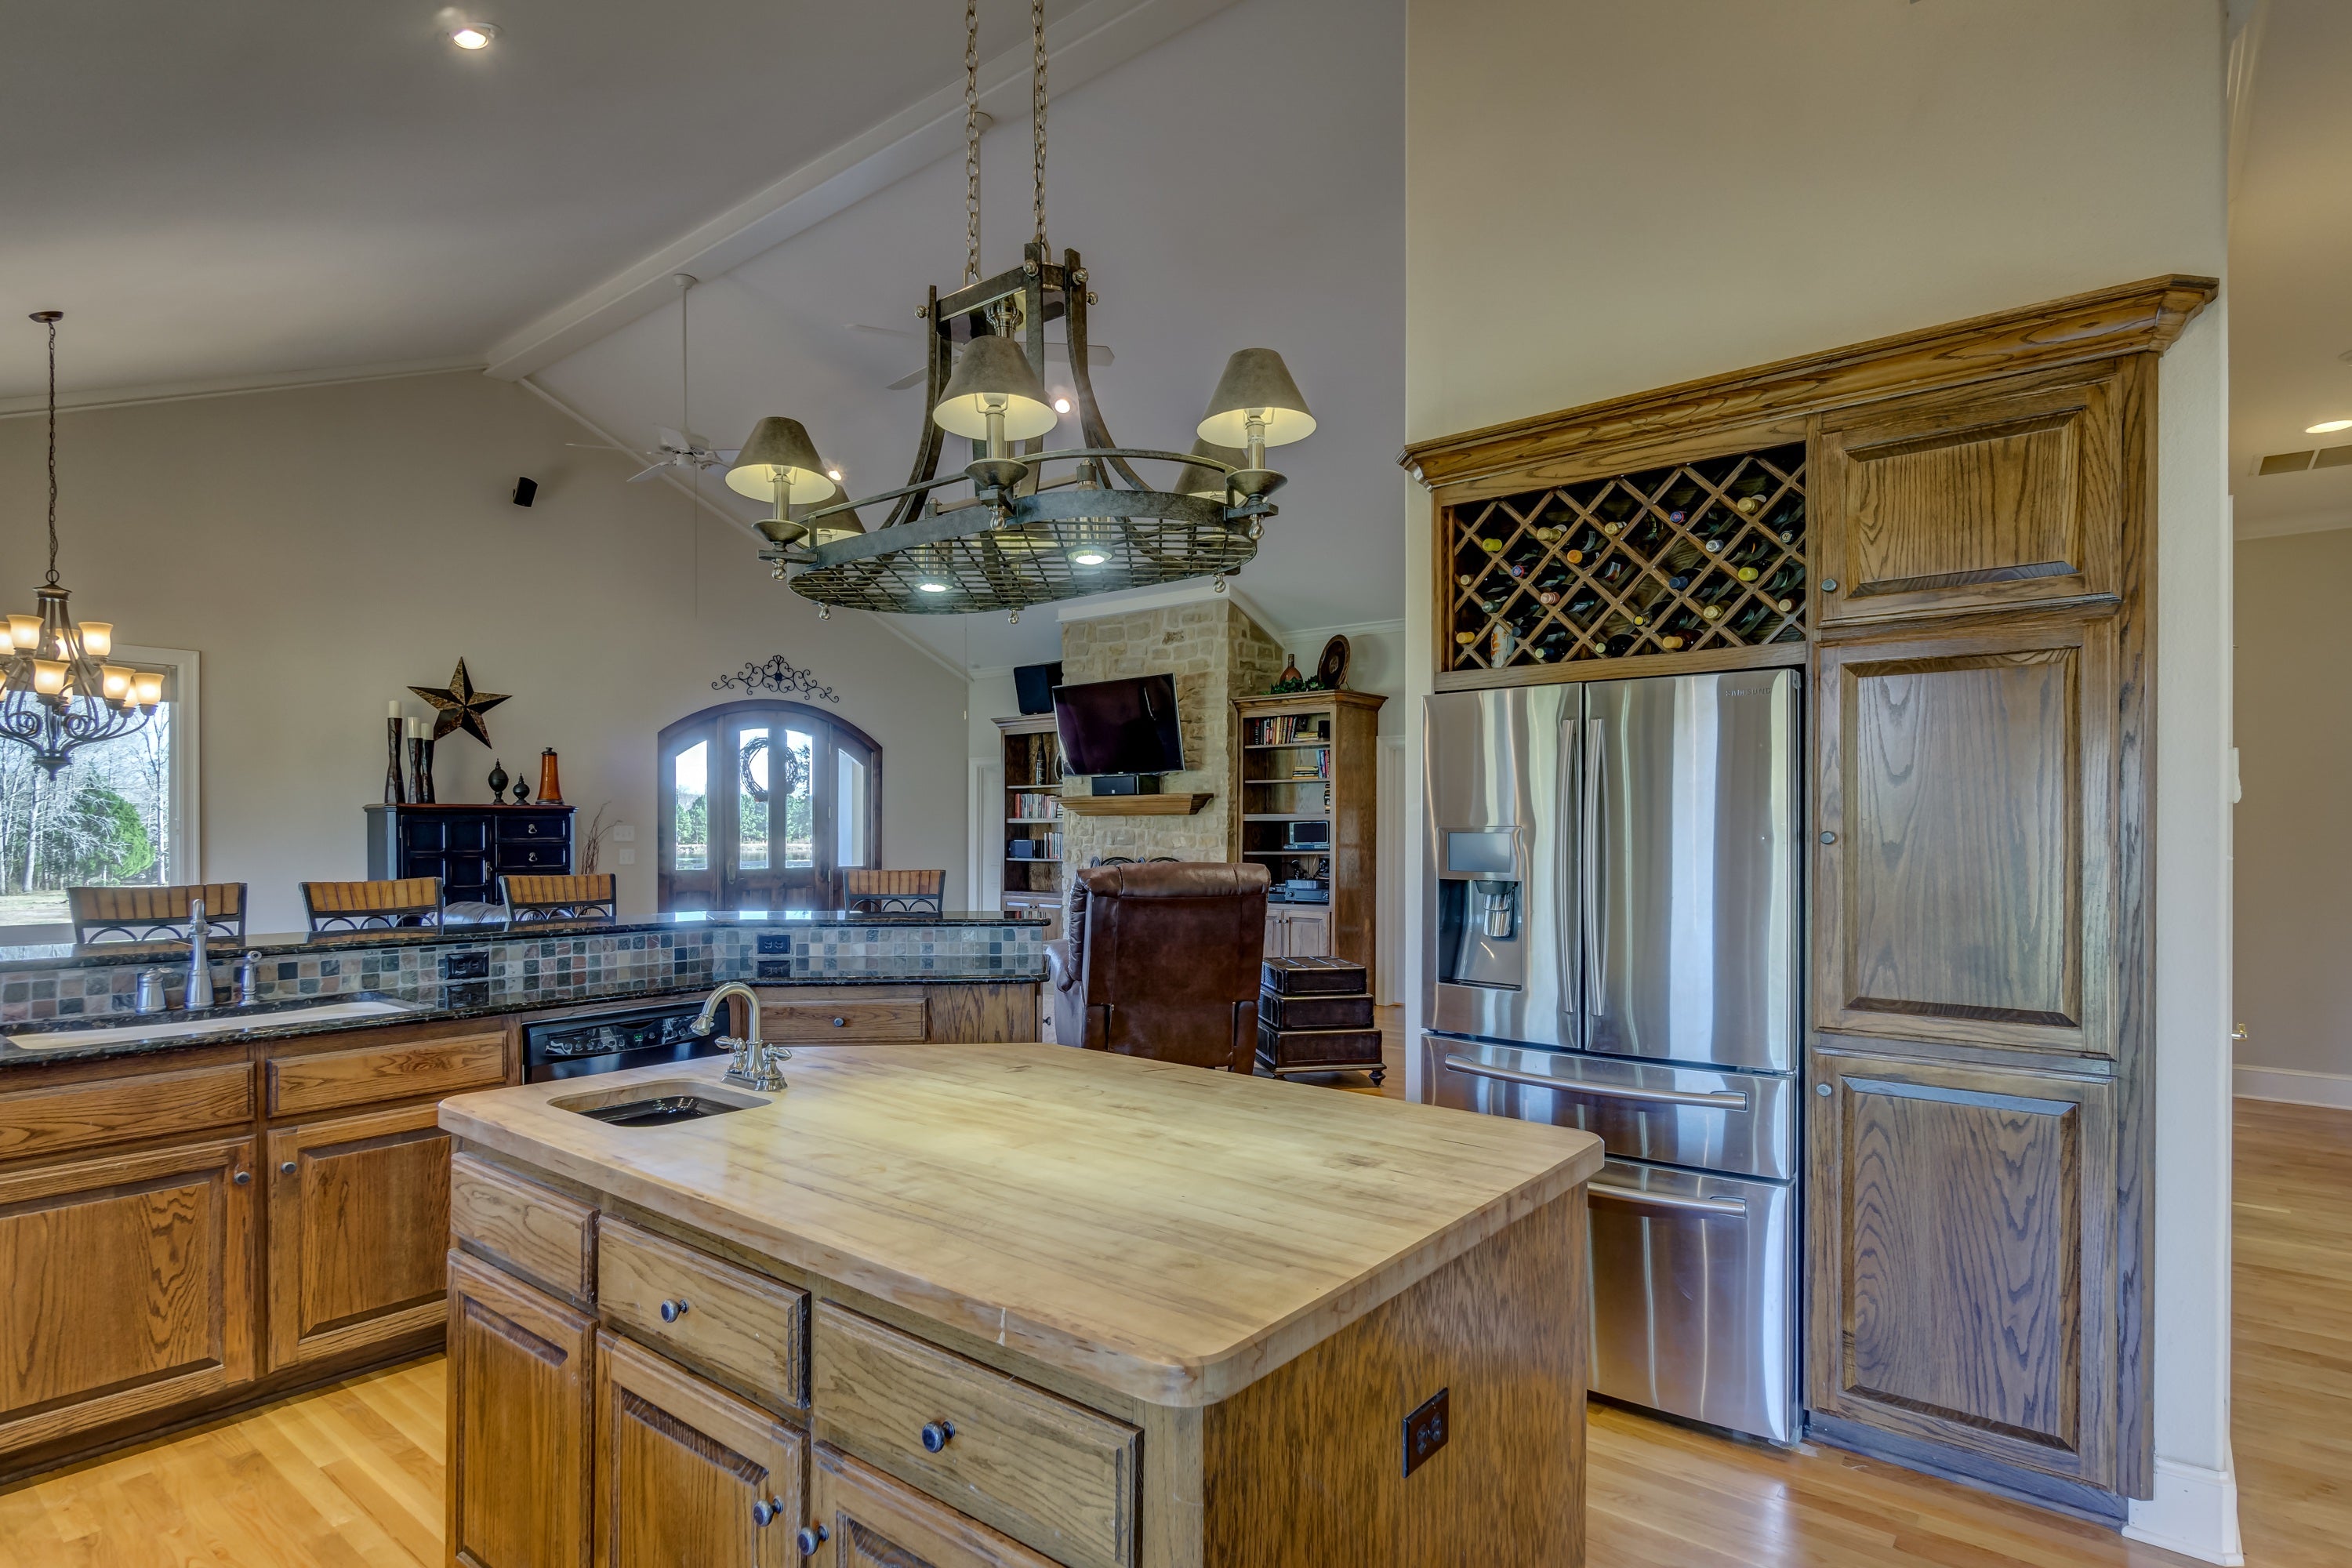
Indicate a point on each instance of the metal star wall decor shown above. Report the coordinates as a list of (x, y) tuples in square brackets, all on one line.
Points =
[(781, 675), (459, 707)]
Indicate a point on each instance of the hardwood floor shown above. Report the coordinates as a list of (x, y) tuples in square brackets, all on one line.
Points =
[(352, 1476)]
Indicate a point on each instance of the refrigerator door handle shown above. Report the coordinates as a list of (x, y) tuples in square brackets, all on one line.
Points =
[(1588, 872), (1712, 1099), (1731, 1208)]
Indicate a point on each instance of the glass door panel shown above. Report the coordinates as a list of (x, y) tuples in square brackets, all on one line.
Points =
[(762, 803)]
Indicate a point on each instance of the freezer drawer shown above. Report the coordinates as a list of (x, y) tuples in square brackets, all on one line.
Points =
[(1693, 1302), (1743, 1123)]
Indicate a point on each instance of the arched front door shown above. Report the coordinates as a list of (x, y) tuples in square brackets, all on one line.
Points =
[(762, 806)]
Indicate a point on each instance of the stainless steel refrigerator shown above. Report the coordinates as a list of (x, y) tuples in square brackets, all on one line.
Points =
[(1612, 944)]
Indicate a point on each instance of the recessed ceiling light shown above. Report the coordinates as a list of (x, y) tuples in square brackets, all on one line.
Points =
[(473, 34), (1088, 557), (1061, 405), (932, 587), (833, 474), (2328, 426)]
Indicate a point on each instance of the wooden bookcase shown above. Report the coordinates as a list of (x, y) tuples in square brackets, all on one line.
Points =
[(1306, 766), (1031, 812)]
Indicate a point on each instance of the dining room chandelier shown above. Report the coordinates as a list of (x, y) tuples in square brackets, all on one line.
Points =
[(57, 690), (1035, 525)]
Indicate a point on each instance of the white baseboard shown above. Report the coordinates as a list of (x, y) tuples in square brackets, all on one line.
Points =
[(2193, 1512), (2295, 1086)]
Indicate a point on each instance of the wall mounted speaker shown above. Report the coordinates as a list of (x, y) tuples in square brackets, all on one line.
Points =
[(526, 491)]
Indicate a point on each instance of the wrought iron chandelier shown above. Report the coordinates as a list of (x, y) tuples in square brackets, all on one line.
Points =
[(57, 693), (1036, 525)]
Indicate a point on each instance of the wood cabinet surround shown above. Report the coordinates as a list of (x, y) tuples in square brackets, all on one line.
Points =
[(1981, 500), (937, 1431)]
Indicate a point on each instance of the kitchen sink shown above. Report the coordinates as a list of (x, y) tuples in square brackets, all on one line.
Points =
[(72, 1034), (664, 1102)]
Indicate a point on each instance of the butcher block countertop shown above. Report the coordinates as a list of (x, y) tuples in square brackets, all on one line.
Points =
[(1169, 1232)]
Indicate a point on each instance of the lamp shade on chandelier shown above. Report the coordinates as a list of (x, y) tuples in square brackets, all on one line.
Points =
[(58, 691), (1036, 525)]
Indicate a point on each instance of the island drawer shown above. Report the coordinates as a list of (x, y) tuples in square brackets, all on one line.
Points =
[(544, 1236), (1053, 1475), (406, 1070), (112, 1111), (796, 1018), (890, 1523), (742, 1329)]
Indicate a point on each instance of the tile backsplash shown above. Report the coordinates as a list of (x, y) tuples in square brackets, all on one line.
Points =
[(521, 972)]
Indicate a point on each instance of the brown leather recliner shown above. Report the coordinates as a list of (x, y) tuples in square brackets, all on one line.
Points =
[(1162, 962)]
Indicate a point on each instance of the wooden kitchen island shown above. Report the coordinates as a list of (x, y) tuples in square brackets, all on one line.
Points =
[(1012, 1304)]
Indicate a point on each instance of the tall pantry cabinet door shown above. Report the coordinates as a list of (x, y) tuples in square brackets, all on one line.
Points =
[(1962, 1275), (1965, 881), (1998, 496), (520, 1419)]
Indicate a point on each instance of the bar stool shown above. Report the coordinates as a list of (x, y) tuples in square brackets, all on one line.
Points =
[(529, 899), (156, 914), (894, 892), (372, 906)]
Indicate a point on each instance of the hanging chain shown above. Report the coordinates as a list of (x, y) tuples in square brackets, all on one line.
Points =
[(971, 139), (1037, 116), (53, 450)]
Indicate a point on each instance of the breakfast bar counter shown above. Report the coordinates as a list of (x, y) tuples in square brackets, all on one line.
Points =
[(1011, 1304)]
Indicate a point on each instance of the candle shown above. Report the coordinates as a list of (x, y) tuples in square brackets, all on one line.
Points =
[(392, 708), (417, 729)]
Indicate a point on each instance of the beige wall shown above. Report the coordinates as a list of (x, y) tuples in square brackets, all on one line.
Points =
[(1606, 198), (326, 548), (2294, 837)]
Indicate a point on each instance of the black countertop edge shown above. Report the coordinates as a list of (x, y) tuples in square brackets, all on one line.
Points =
[(294, 944), (440, 1009)]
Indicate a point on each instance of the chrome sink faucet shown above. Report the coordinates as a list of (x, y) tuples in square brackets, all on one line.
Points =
[(200, 964), (756, 1064)]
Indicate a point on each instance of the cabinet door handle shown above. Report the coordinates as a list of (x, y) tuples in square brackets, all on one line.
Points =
[(242, 1178), (767, 1510), (936, 1434), (671, 1312), (811, 1537), (286, 1167), (840, 1023)]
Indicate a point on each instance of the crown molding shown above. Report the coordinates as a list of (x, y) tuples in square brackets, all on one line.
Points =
[(1091, 40), (2131, 318), (232, 385)]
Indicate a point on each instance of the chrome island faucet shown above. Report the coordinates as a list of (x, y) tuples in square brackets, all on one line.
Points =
[(756, 1063)]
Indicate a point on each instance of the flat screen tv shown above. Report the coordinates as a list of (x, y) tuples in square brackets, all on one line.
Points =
[(1119, 726)]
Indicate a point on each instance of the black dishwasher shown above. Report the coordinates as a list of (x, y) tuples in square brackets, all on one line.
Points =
[(608, 1042)]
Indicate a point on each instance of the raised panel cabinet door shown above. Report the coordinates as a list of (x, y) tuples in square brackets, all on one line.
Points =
[(1277, 937), (1309, 933), (126, 1287), (860, 1518), (521, 1386), (1968, 792), (687, 1473), (2013, 494), (358, 1233), (1963, 1237)]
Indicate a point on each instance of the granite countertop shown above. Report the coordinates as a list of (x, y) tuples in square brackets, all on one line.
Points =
[(66, 955), (430, 1004)]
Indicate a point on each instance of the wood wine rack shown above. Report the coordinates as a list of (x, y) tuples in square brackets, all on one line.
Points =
[(1700, 556)]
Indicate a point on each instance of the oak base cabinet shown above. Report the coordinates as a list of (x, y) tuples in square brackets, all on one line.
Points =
[(860, 1518), (126, 1287), (358, 1230), (687, 1473), (520, 1417)]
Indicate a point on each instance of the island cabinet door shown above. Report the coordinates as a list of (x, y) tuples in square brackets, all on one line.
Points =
[(860, 1518), (126, 1288), (687, 1473), (1963, 1280), (358, 1230), (520, 1423)]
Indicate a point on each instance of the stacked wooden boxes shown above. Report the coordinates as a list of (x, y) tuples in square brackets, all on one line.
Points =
[(1315, 1014)]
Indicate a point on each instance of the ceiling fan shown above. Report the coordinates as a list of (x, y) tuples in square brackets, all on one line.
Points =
[(1098, 354), (679, 447)]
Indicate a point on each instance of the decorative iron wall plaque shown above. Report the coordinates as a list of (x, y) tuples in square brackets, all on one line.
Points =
[(781, 675)]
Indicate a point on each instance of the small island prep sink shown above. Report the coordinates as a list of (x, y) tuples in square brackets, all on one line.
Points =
[(67, 1035), (665, 1102)]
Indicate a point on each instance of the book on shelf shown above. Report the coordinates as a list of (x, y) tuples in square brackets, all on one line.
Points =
[(1290, 729), (1035, 807)]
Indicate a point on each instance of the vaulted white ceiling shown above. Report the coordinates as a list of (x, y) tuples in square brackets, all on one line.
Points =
[(2291, 269)]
